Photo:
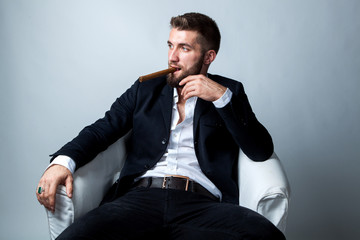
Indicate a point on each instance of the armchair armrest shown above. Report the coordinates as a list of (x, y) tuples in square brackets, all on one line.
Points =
[(264, 188), (91, 183)]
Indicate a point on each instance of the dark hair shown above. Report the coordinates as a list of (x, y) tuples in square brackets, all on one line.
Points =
[(204, 25)]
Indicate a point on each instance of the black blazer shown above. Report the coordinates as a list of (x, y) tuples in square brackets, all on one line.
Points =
[(146, 109)]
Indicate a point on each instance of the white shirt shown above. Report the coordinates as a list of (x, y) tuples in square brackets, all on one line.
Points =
[(180, 157)]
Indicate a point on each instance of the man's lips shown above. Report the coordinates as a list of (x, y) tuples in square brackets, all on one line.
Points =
[(177, 68)]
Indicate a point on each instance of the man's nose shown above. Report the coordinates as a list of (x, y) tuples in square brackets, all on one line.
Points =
[(173, 55)]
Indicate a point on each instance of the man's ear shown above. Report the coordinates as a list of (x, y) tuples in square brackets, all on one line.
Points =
[(210, 56)]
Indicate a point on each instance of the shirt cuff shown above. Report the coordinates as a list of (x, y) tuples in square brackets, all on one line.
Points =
[(224, 99), (64, 161)]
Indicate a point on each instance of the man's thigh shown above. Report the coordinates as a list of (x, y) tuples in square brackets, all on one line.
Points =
[(132, 216), (212, 220)]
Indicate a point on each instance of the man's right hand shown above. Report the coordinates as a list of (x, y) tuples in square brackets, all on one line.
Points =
[(54, 176)]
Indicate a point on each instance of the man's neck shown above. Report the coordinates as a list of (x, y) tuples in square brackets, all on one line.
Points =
[(181, 99)]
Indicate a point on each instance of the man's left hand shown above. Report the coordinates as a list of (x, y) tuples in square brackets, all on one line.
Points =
[(202, 87)]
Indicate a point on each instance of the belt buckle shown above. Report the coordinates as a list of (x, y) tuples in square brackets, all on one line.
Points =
[(177, 176)]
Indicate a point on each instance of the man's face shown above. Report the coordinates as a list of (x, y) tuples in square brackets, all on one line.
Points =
[(185, 54)]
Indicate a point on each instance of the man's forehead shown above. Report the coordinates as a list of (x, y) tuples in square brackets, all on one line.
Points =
[(184, 37)]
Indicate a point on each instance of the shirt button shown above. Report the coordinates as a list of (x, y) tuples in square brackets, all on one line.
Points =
[(163, 141)]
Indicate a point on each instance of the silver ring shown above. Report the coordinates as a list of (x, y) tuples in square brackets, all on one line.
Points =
[(40, 190)]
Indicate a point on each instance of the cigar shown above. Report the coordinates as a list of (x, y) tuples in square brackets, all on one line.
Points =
[(157, 74)]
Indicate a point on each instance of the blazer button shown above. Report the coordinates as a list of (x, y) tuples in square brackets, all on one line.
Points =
[(147, 166), (163, 141), (243, 122)]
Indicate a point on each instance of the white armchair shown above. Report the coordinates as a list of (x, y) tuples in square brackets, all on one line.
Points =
[(264, 188)]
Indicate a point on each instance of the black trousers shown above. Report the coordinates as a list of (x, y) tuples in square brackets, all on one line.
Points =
[(151, 213)]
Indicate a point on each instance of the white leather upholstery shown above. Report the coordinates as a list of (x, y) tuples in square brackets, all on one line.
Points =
[(263, 188)]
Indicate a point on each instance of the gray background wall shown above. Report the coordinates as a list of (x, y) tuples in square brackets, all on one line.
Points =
[(62, 63)]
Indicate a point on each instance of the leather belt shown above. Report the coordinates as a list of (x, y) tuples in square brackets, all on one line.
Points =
[(174, 182)]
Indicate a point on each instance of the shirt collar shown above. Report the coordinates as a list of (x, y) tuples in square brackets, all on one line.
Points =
[(176, 96)]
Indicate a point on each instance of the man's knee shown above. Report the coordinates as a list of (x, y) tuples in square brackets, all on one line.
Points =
[(262, 228)]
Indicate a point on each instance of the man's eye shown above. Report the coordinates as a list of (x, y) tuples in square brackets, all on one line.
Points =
[(185, 49)]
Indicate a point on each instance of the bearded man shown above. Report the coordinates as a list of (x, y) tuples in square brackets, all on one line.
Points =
[(179, 180)]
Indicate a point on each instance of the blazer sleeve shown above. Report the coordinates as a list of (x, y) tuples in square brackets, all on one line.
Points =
[(252, 137), (98, 136)]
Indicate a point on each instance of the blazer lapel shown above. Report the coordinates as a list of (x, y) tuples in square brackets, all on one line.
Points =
[(166, 103), (201, 108)]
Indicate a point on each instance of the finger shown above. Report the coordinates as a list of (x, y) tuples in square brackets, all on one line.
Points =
[(184, 81), (38, 196), (188, 86), (69, 186), (50, 196), (192, 92), (188, 89), (188, 79), (42, 195), (39, 191)]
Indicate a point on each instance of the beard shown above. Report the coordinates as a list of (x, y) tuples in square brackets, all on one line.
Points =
[(173, 81)]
